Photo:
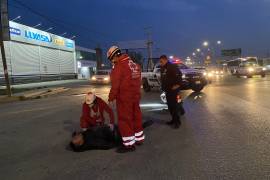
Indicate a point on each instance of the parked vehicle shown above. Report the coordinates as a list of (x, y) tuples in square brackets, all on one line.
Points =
[(192, 78), (102, 77)]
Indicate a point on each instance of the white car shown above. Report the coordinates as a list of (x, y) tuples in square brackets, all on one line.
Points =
[(249, 70), (102, 77)]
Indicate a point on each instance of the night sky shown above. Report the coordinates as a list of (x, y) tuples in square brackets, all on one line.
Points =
[(178, 26)]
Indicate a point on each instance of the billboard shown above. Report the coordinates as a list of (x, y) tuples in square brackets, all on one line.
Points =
[(231, 52), (26, 34)]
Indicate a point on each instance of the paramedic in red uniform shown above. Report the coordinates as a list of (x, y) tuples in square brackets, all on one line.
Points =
[(126, 91), (93, 112)]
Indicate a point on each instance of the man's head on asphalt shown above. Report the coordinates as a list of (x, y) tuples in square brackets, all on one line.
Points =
[(77, 140), (163, 60)]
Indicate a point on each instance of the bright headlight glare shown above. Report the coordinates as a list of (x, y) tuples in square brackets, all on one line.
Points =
[(94, 78), (264, 69), (210, 74), (183, 76), (106, 79), (250, 69), (204, 73)]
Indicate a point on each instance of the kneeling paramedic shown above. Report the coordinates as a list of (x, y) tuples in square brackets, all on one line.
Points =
[(93, 112), (126, 91)]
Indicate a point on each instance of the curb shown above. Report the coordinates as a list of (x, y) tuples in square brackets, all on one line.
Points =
[(33, 95)]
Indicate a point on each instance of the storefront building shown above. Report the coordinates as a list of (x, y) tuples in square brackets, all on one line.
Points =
[(34, 56)]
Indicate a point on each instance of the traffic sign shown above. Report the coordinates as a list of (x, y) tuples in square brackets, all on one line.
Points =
[(231, 52)]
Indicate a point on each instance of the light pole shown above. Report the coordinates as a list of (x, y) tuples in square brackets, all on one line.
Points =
[(39, 24), (16, 18)]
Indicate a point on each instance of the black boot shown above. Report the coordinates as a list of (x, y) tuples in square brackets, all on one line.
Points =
[(169, 122), (176, 125), (123, 149)]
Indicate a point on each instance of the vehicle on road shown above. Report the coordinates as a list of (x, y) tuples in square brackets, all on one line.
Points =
[(246, 67), (208, 74), (192, 78), (101, 77)]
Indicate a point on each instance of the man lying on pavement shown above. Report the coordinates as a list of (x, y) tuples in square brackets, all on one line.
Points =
[(100, 137)]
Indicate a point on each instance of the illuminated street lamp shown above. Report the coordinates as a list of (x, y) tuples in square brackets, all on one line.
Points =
[(73, 37), (39, 24), (218, 42), (205, 44), (16, 18), (63, 34), (198, 50), (171, 57), (50, 28), (194, 54)]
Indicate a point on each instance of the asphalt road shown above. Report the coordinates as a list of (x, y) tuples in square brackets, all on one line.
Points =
[(225, 134)]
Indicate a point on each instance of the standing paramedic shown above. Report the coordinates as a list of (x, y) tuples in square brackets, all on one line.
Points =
[(126, 91), (171, 80)]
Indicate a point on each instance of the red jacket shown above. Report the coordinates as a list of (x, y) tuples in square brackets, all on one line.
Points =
[(125, 80), (95, 115)]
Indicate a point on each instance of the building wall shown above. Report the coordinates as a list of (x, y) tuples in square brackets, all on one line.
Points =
[(31, 63)]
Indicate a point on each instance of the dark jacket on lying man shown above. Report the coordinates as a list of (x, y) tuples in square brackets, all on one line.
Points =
[(100, 137)]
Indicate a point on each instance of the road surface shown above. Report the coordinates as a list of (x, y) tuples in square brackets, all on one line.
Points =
[(225, 134)]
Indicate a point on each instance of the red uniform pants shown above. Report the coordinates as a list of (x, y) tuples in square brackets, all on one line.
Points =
[(130, 122)]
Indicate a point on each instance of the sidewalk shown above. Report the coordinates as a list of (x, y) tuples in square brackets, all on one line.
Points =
[(36, 90), (39, 85)]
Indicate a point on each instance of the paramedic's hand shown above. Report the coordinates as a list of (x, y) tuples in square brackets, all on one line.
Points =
[(111, 126), (175, 87)]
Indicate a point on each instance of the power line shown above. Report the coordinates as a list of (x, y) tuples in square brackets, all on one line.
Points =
[(65, 25), (59, 20)]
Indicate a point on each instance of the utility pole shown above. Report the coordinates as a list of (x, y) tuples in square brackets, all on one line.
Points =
[(4, 36), (149, 47)]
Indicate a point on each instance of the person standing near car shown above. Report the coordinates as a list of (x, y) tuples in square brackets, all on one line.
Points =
[(171, 79), (126, 91)]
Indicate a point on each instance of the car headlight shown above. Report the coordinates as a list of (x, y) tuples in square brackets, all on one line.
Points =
[(221, 72), (210, 74), (217, 72), (250, 69), (106, 79), (204, 73), (264, 69), (94, 78), (183, 76)]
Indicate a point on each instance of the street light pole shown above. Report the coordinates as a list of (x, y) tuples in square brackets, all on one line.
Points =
[(5, 36)]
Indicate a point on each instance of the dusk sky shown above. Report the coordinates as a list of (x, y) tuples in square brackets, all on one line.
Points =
[(178, 26)]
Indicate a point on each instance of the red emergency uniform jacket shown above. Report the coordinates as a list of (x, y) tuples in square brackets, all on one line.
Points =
[(95, 115), (125, 80)]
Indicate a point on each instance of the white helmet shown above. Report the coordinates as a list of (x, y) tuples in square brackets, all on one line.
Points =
[(90, 98), (113, 51)]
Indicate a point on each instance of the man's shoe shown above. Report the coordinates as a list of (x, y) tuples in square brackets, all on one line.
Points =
[(124, 149), (176, 125)]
